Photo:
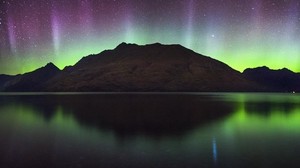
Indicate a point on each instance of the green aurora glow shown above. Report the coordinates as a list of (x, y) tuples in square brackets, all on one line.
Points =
[(239, 33)]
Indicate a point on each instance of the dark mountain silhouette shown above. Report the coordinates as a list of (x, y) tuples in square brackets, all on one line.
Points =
[(154, 67), (282, 80), (32, 81)]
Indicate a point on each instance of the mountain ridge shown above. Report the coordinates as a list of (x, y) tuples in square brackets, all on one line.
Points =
[(281, 80), (31, 81), (136, 68)]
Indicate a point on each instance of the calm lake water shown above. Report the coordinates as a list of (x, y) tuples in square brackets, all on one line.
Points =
[(150, 130)]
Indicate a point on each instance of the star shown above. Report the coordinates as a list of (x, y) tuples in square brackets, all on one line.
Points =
[(67, 30)]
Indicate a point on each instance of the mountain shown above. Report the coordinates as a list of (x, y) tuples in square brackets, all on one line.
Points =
[(154, 67), (282, 80), (32, 81)]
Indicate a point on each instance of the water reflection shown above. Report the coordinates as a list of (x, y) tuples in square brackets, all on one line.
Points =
[(152, 115), (224, 130)]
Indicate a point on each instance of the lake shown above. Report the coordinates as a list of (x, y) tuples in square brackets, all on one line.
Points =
[(213, 130)]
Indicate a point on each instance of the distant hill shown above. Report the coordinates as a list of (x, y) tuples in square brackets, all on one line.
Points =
[(153, 67), (32, 81), (282, 80)]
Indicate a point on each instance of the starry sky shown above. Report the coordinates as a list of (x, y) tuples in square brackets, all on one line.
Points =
[(241, 33)]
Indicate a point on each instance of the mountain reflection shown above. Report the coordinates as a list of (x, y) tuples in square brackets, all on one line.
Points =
[(266, 108), (149, 130), (125, 114)]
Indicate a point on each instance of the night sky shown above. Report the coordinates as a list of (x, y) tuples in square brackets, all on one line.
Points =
[(241, 33)]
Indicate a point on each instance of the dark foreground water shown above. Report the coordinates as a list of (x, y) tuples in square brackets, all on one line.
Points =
[(150, 130)]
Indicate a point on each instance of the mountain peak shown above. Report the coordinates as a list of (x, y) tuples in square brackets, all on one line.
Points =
[(286, 70), (125, 45), (48, 68), (51, 65), (262, 68), (155, 44)]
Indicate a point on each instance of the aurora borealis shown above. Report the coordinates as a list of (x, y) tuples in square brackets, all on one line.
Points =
[(241, 33)]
